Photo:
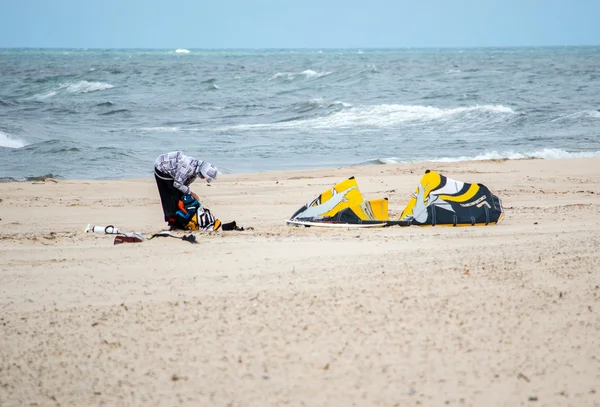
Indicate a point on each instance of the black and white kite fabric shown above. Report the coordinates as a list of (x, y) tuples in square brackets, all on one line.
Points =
[(440, 200)]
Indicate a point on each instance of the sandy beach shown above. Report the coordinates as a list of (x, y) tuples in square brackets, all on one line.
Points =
[(502, 315)]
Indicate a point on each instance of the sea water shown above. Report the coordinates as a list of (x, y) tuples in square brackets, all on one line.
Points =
[(107, 114)]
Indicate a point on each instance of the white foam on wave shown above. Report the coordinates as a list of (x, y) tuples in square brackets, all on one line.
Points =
[(545, 153), (385, 160), (290, 76), (382, 116), (320, 102), (182, 51), (160, 129), (10, 142), (592, 114), (309, 73), (75, 87), (42, 96), (86, 87)]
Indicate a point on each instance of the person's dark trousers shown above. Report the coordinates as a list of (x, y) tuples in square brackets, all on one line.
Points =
[(169, 195)]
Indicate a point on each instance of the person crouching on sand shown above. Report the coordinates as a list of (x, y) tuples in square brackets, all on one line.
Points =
[(174, 172)]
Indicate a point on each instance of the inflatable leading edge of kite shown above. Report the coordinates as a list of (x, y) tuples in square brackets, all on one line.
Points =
[(437, 201)]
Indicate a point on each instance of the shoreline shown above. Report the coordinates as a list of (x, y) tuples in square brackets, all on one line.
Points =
[(49, 177), (497, 315)]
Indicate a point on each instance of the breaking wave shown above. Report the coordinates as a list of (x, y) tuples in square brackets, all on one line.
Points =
[(586, 114), (10, 142), (160, 129), (182, 51), (85, 86), (319, 103), (42, 96), (290, 76), (74, 87), (381, 116), (546, 154)]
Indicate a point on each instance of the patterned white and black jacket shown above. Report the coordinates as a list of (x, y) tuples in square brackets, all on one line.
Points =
[(181, 168)]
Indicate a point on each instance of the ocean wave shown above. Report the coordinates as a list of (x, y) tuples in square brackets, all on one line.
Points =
[(319, 103), (86, 87), (61, 110), (381, 116), (312, 108), (290, 76), (30, 179), (10, 142), (73, 87), (182, 51), (382, 161), (42, 96), (585, 114), (545, 153), (103, 153), (115, 111), (53, 78), (57, 148), (160, 129), (51, 147)]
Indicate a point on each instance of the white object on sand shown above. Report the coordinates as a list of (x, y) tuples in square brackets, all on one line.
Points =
[(109, 230)]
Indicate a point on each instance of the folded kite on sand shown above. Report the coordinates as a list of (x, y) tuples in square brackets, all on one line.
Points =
[(438, 200)]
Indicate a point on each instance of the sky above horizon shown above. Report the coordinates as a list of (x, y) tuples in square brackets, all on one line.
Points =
[(297, 24)]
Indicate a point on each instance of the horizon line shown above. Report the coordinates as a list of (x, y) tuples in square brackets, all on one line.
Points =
[(303, 48)]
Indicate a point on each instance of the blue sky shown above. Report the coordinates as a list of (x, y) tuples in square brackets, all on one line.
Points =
[(297, 23)]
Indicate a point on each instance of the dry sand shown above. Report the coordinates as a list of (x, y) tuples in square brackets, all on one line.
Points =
[(503, 315)]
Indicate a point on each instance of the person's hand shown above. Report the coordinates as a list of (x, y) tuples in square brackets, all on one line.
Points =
[(194, 196)]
